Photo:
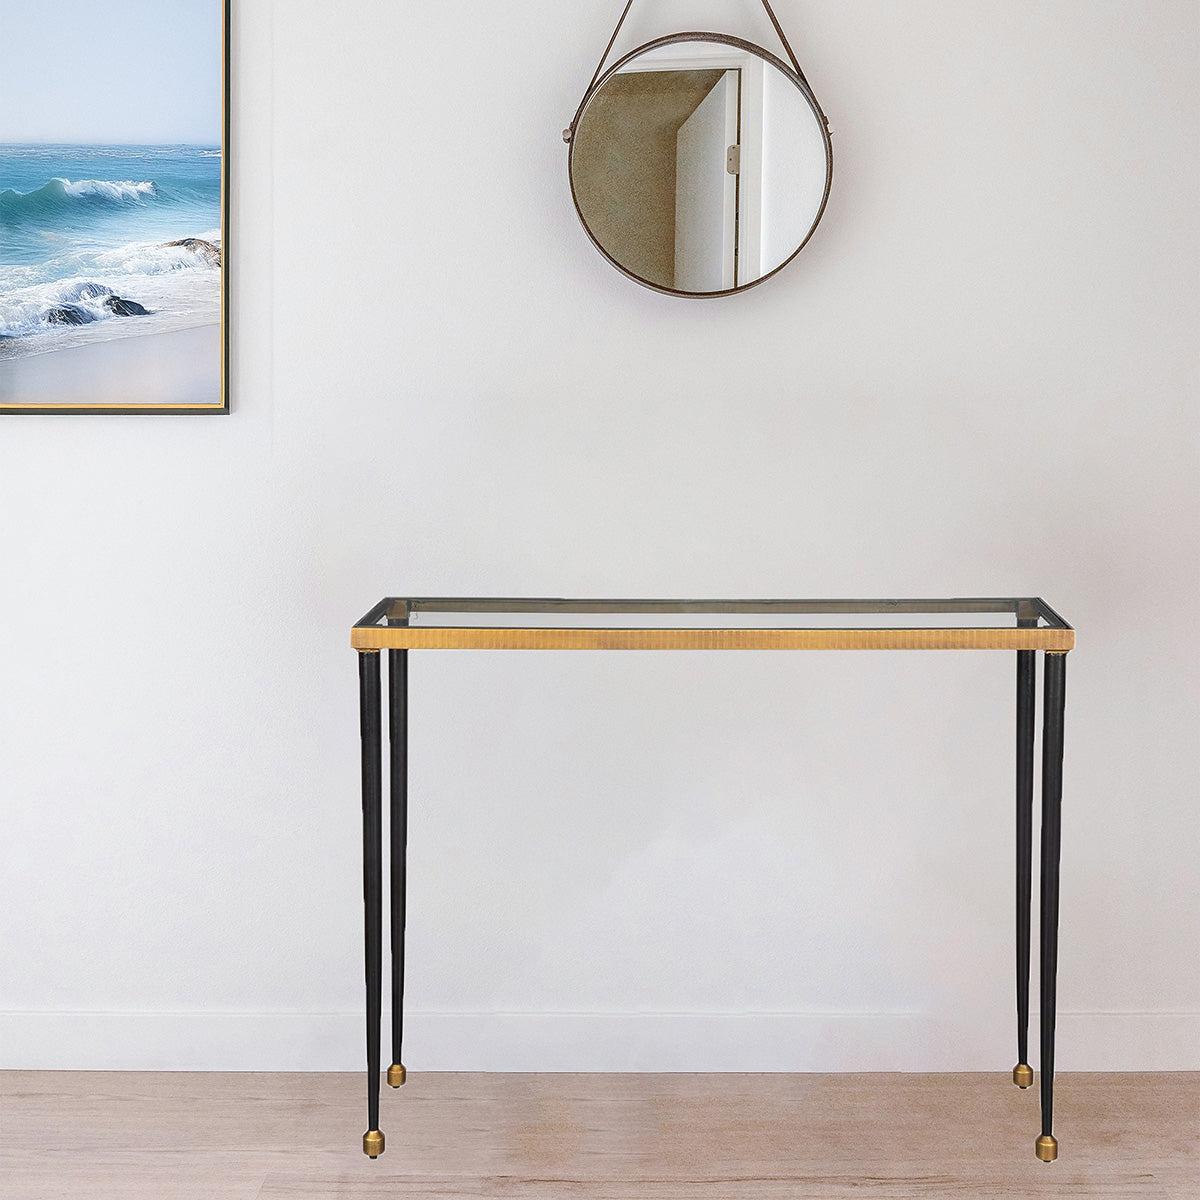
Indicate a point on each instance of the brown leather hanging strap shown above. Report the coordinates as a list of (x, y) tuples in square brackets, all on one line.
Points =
[(783, 38), (608, 48), (569, 132)]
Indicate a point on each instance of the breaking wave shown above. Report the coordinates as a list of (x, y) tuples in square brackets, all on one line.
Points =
[(61, 196)]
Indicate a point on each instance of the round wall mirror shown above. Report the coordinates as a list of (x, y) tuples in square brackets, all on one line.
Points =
[(700, 164)]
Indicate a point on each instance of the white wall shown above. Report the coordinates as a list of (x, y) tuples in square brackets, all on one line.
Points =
[(979, 378)]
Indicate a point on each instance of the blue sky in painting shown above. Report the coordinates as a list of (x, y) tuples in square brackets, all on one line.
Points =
[(132, 72)]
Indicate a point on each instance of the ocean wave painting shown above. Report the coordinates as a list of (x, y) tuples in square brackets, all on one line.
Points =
[(112, 254)]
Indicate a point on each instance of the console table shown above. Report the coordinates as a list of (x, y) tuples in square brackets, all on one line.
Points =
[(1025, 625)]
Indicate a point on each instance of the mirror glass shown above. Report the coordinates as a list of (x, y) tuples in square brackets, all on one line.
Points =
[(700, 164)]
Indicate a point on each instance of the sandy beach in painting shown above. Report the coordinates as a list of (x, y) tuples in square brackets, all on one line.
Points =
[(179, 367)]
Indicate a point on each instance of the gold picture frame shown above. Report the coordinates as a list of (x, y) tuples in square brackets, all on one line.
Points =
[(114, 294)]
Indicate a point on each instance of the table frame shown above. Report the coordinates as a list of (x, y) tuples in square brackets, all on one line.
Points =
[(386, 628)]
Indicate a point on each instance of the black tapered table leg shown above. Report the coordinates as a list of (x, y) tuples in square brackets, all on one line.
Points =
[(1052, 760), (398, 741), (372, 787), (1026, 699)]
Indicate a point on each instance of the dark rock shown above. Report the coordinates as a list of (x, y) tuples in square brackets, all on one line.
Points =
[(69, 314), (125, 308), (202, 249)]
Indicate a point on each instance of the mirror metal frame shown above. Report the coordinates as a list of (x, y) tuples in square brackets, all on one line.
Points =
[(723, 39)]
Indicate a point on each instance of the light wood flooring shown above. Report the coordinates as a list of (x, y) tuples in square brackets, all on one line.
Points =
[(110, 1136)]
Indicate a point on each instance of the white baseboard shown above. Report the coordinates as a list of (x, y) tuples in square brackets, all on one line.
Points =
[(562, 1041)]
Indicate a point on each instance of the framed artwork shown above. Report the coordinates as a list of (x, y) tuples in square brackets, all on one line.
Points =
[(114, 206)]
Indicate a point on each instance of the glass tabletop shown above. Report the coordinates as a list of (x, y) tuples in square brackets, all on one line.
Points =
[(447, 622)]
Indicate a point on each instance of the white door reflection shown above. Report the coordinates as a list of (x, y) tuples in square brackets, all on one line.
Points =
[(706, 192)]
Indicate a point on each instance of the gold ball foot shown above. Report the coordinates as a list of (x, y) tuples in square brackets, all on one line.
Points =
[(1023, 1075), (1047, 1148), (373, 1143), (396, 1075)]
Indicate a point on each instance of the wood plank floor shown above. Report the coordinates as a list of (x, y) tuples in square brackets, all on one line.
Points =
[(161, 1136)]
